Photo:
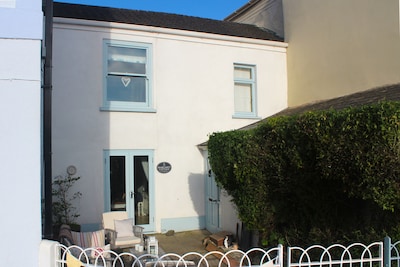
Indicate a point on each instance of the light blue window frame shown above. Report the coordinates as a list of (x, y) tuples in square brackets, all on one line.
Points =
[(249, 82), (114, 105), (129, 154)]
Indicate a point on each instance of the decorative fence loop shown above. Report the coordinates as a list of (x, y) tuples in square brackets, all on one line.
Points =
[(378, 254), (90, 257), (354, 255)]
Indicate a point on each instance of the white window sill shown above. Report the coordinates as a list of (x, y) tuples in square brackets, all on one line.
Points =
[(245, 116), (127, 109)]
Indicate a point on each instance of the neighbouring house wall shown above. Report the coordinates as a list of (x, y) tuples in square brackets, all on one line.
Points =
[(229, 216), (20, 117), (266, 14), (193, 97), (340, 47)]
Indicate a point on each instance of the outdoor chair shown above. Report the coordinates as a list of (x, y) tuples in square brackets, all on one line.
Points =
[(94, 241), (120, 230)]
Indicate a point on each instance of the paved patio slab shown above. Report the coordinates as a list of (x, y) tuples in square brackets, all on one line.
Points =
[(183, 242)]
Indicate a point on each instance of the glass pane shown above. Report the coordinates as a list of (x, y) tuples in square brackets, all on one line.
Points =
[(117, 183), (141, 179), (126, 60), (123, 88), (126, 67), (243, 73), (243, 99)]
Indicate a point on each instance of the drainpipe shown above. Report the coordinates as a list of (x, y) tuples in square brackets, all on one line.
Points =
[(46, 124)]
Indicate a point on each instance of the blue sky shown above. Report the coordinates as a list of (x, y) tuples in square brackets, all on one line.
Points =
[(214, 9)]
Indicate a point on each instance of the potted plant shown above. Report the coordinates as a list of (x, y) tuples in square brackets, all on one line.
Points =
[(64, 211)]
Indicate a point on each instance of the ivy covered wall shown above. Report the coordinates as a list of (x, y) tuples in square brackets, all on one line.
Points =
[(315, 178)]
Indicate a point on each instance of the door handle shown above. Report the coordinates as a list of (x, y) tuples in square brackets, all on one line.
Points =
[(132, 194), (212, 200)]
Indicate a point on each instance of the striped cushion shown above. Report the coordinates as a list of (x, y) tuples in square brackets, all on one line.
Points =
[(98, 239), (89, 239)]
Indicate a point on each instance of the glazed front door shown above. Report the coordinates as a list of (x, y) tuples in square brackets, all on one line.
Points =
[(129, 185)]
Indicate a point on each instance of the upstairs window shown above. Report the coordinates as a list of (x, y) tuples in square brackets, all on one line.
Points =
[(127, 77), (245, 91)]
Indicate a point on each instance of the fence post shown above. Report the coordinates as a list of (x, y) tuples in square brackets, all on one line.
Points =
[(387, 244), (289, 257), (280, 257)]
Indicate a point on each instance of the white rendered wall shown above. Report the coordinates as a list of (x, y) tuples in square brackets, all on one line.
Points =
[(20, 164), (193, 96), (21, 19), (229, 217)]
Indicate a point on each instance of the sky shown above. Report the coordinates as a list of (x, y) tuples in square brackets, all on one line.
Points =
[(213, 9)]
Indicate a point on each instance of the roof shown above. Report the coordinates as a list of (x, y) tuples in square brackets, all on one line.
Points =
[(375, 95), (162, 20), (242, 9)]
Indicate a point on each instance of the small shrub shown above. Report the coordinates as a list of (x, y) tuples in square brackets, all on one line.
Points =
[(64, 212)]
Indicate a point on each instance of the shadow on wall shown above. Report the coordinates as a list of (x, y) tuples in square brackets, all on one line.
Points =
[(196, 185)]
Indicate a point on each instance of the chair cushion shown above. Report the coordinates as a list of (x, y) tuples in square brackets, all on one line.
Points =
[(127, 241), (103, 251), (124, 228), (109, 217), (72, 261), (268, 264), (89, 239), (98, 239)]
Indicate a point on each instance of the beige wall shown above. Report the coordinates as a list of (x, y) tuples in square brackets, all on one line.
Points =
[(340, 47)]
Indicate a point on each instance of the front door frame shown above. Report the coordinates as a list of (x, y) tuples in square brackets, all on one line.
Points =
[(130, 206), (212, 199)]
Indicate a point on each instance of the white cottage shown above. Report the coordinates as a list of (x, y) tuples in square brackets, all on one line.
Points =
[(134, 94)]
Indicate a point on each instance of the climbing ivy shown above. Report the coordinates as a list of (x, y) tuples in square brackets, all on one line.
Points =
[(318, 177)]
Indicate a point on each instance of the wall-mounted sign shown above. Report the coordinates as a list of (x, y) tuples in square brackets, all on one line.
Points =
[(164, 167)]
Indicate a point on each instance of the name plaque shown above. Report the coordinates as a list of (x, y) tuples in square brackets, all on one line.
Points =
[(164, 167)]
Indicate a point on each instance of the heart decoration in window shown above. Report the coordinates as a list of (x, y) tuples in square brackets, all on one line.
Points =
[(126, 81)]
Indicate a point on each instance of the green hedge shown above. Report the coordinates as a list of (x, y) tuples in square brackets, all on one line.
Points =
[(319, 177)]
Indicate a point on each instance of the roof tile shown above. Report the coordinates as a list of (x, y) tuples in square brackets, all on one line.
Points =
[(375, 95), (163, 20)]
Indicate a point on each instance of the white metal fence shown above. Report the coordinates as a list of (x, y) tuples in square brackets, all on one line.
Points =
[(378, 254), (392, 253), (234, 258), (355, 255)]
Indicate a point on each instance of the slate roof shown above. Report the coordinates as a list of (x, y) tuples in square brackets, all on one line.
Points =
[(242, 9), (388, 92), (162, 20)]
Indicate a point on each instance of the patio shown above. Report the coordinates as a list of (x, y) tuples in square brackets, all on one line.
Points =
[(183, 242)]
